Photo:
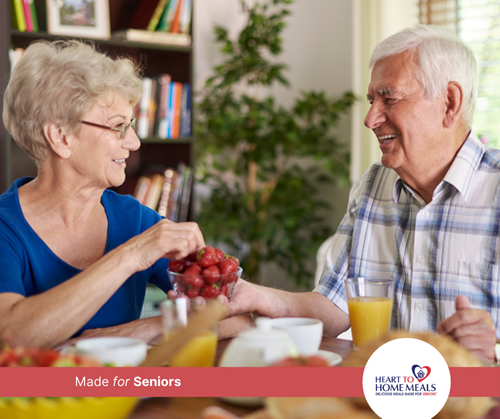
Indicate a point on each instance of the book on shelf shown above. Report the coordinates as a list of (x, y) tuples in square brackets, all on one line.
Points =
[(168, 191), (176, 110), (165, 23), (163, 38), (187, 181), (168, 186), (27, 16), (185, 119), (34, 17), (173, 202), (162, 115), (152, 107), (18, 19), (155, 19), (177, 18), (154, 191), (141, 188), (143, 122), (143, 14), (185, 21), (164, 109)]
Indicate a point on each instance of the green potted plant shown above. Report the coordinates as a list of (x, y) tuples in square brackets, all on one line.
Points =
[(263, 162)]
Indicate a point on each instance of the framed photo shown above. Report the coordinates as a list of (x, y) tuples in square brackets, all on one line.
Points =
[(84, 18)]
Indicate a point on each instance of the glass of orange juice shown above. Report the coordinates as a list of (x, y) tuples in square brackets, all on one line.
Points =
[(197, 352), (370, 307)]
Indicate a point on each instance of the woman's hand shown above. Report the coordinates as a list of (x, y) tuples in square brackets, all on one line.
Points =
[(149, 329), (165, 239)]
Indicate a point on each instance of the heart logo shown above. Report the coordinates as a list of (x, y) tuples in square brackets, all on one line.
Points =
[(419, 373)]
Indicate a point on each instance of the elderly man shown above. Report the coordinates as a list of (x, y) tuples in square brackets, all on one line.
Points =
[(428, 216)]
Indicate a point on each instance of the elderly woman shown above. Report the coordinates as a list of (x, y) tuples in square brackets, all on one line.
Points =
[(75, 256)]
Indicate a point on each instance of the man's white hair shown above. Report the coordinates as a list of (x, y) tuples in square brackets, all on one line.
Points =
[(441, 57)]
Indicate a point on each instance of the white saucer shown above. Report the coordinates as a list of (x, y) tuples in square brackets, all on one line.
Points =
[(331, 357)]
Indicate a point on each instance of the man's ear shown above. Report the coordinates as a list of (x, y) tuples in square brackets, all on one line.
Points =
[(453, 104), (57, 139)]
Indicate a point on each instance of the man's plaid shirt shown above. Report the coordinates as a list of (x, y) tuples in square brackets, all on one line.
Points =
[(434, 251)]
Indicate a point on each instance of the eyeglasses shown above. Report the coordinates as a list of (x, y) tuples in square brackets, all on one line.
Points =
[(122, 131)]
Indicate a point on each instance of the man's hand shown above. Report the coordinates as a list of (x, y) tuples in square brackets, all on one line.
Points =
[(471, 328), (242, 300)]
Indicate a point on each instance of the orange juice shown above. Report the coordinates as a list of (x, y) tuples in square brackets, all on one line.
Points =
[(370, 317), (198, 352)]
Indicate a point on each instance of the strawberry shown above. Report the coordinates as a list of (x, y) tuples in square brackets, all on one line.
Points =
[(211, 274), (194, 281), (223, 289), (210, 291), (192, 257), (192, 276), (234, 259), (227, 266), (197, 282), (207, 257), (228, 269), (220, 253), (193, 292), (193, 269), (176, 265)]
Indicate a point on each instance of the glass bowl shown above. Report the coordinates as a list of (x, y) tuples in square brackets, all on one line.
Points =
[(205, 286)]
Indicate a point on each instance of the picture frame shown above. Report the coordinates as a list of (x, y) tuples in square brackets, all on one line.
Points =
[(79, 18)]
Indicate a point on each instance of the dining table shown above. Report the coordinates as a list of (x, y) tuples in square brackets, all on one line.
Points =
[(191, 407)]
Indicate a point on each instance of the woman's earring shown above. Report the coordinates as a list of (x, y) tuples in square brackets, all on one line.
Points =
[(68, 154)]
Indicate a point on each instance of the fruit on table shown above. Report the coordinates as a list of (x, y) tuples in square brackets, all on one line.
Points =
[(33, 357), (302, 361), (207, 272)]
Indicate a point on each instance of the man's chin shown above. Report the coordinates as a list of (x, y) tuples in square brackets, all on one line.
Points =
[(389, 161)]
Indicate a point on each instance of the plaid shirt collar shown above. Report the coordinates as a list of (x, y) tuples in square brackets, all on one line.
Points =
[(460, 174)]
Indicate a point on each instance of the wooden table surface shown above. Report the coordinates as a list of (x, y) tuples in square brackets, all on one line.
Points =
[(190, 407)]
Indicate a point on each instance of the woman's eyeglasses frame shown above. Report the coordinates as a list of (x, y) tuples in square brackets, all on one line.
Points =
[(122, 131)]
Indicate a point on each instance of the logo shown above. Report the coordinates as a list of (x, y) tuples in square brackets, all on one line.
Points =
[(419, 373), (396, 387)]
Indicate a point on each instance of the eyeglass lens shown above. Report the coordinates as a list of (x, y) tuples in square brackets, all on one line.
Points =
[(126, 127)]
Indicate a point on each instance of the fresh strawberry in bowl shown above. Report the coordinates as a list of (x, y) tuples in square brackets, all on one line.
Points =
[(208, 273)]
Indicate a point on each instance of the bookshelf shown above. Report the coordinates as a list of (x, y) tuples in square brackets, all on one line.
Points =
[(157, 59)]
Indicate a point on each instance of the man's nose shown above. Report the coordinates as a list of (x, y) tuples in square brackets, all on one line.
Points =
[(375, 116)]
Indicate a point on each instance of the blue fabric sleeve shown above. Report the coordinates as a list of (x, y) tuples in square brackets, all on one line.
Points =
[(11, 264)]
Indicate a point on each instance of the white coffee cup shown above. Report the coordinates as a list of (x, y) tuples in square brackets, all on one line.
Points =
[(305, 333), (118, 351)]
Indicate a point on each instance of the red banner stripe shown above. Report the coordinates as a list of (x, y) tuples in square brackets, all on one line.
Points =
[(475, 382), (212, 382)]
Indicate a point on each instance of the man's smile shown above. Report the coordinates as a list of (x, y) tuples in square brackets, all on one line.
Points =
[(383, 139)]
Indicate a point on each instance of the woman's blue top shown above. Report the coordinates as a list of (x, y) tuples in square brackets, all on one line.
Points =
[(28, 267)]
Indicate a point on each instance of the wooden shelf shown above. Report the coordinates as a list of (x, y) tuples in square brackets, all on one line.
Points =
[(32, 36), (158, 140), (154, 59)]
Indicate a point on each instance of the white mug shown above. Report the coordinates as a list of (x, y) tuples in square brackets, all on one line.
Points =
[(305, 333)]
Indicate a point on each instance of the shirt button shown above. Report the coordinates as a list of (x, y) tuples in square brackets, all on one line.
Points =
[(425, 214), (421, 260), (419, 306)]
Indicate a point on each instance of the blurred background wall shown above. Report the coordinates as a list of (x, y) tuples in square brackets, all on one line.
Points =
[(326, 46)]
